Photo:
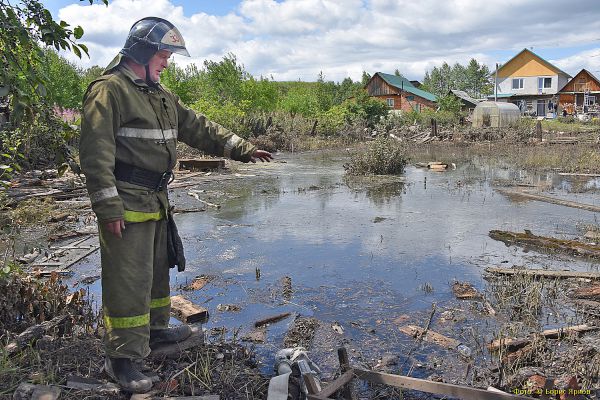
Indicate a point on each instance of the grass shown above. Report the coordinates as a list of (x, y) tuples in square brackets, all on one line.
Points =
[(383, 156)]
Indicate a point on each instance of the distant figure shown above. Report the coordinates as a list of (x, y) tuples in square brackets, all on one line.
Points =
[(565, 112)]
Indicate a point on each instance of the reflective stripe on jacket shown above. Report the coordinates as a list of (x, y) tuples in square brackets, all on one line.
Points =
[(124, 119)]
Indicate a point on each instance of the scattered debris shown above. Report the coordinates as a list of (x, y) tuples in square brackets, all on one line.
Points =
[(33, 333), (194, 194), (301, 333), (91, 384), (197, 164), (286, 287), (587, 292)]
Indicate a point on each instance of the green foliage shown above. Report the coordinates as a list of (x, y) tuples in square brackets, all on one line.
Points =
[(384, 156), (64, 84), (228, 114), (364, 107), (184, 82), (475, 79), (89, 75)]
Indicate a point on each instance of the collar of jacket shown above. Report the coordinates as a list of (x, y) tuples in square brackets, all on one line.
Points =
[(117, 65)]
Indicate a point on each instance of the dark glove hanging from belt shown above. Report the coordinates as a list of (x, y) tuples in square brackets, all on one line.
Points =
[(174, 244)]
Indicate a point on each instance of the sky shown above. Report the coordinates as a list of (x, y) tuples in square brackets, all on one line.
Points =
[(297, 39)]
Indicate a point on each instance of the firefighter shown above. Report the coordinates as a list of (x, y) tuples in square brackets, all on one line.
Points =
[(130, 128)]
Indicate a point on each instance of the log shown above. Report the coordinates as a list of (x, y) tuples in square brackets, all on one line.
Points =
[(543, 273), (528, 239), (186, 311), (549, 199), (174, 350), (430, 336), (512, 343), (588, 292), (274, 318), (32, 334)]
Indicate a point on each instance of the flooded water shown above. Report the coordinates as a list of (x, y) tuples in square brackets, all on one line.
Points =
[(361, 252)]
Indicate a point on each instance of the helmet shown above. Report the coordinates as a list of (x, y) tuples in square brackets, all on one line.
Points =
[(150, 35)]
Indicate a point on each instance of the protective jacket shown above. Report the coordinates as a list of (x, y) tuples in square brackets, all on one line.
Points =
[(126, 120)]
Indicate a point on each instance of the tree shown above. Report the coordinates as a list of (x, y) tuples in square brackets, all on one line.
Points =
[(25, 26), (474, 79), (64, 87), (397, 72), (365, 78)]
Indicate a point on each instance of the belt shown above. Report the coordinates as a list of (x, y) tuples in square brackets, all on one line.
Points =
[(156, 181)]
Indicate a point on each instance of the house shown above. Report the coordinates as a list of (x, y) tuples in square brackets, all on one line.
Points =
[(531, 83), (468, 103), (581, 94), (399, 93)]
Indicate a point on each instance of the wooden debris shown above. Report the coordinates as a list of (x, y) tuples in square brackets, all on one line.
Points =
[(195, 164), (516, 343), (543, 273), (270, 320), (32, 334), (173, 350), (430, 336), (548, 199), (229, 307), (199, 282), (528, 239), (587, 292), (186, 311), (339, 329), (465, 291), (256, 336)]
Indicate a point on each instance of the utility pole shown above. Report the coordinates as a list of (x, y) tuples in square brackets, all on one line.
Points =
[(496, 84)]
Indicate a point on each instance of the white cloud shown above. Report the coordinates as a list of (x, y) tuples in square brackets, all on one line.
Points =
[(295, 39)]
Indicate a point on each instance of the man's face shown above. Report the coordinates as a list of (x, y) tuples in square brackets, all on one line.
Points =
[(157, 63)]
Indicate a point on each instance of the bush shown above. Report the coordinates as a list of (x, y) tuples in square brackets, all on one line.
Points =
[(384, 156)]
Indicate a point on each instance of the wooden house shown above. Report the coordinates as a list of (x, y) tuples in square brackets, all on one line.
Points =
[(581, 94), (531, 83), (399, 93)]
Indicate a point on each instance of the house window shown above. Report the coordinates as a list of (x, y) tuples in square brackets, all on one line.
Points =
[(589, 100), (517, 83), (410, 98), (544, 83), (390, 102)]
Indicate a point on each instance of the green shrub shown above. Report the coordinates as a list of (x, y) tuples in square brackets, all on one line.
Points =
[(383, 156)]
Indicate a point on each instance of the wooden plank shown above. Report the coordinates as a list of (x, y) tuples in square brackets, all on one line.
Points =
[(549, 334), (201, 163), (430, 336), (334, 386), (543, 273), (549, 199), (186, 311), (422, 385), (269, 320), (174, 349)]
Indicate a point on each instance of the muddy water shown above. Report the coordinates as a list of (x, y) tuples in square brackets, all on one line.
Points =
[(369, 254)]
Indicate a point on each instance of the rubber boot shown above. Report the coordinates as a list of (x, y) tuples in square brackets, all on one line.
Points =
[(124, 372), (170, 335)]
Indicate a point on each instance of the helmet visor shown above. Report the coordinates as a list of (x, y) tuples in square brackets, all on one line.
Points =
[(173, 41)]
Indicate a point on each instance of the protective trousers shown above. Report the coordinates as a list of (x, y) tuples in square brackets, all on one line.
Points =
[(135, 287)]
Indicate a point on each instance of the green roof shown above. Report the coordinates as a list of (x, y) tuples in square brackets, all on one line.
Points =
[(402, 83)]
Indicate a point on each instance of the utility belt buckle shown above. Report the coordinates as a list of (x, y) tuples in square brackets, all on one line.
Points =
[(164, 180)]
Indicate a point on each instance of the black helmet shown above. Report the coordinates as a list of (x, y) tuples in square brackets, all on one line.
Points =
[(150, 35)]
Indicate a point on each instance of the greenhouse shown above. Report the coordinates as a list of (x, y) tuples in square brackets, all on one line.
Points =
[(496, 115)]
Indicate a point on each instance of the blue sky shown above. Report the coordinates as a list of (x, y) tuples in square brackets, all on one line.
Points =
[(297, 39)]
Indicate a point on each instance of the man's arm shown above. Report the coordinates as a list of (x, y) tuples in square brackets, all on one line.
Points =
[(100, 122)]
